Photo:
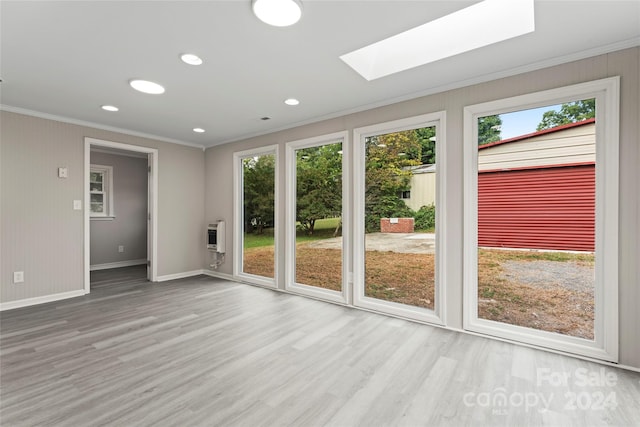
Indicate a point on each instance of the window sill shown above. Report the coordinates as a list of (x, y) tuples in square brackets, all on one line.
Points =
[(102, 218)]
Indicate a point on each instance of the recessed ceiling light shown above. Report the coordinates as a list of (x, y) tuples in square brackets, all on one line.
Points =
[(198, 130), (291, 101), (147, 87), (109, 108), (191, 59), (479, 25), (279, 13)]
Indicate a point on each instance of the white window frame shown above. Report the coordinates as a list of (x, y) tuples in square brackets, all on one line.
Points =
[(605, 345), (107, 190), (238, 215), (290, 233), (438, 315)]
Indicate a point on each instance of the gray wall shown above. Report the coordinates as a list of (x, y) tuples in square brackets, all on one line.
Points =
[(42, 235), (626, 63), (129, 227)]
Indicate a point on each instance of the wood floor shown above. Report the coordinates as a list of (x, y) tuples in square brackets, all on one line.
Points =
[(207, 352)]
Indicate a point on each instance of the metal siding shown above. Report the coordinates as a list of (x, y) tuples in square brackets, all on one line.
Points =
[(544, 208)]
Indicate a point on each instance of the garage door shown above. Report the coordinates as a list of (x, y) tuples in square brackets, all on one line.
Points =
[(542, 208)]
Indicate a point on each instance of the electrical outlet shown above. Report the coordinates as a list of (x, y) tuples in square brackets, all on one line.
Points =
[(120, 248), (18, 277)]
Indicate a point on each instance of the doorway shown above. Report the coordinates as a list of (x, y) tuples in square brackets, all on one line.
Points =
[(101, 212)]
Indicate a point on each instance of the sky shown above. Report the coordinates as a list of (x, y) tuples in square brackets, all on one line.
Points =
[(523, 122)]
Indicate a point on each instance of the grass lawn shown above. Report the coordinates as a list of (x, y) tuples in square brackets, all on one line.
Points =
[(409, 279), (324, 229)]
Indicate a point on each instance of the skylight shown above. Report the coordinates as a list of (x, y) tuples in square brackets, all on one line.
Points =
[(482, 24)]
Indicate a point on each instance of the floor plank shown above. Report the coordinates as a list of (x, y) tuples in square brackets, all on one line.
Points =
[(204, 351)]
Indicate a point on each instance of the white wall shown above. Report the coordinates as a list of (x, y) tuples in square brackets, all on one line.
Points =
[(129, 227), (624, 63), (42, 235), (423, 190)]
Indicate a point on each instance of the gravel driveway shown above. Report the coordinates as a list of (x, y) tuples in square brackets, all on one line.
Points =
[(549, 274), (407, 243)]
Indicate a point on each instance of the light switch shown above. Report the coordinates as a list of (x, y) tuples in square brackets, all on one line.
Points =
[(63, 172), (77, 205)]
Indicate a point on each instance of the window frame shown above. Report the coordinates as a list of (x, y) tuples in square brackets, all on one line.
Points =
[(107, 191), (438, 314), (290, 233), (238, 215), (605, 343)]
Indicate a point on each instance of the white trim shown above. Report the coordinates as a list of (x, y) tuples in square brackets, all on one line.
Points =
[(438, 315), (103, 218), (119, 153), (27, 302), (176, 276), (290, 217), (107, 191), (605, 344), (238, 215), (94, 125), (219, 275), (117, 264), (152, 237)]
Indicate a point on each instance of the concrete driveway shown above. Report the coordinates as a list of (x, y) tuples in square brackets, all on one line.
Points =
[(409, 243)]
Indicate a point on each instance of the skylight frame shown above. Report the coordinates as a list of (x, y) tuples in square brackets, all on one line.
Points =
[(474, 27)]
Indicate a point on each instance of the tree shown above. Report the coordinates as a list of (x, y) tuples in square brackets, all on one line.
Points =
[(259, 192), (427, 138), (489, 129), (318, 184), (571, 112), (387, 174)]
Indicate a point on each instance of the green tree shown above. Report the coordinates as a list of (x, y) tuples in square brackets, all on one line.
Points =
[(427, 138), (259, 192), (387, 174), (489, 129), (318, 184), (571, 112)]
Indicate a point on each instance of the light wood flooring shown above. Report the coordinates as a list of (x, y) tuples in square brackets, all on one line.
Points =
[(207, 352), (118, 276)]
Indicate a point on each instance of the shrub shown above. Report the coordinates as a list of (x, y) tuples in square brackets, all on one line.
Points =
[(425, 218)]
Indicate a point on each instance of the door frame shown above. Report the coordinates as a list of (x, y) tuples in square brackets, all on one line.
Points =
[(152, 203)]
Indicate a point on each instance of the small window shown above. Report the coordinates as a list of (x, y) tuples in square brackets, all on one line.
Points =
[(406, 194), (101, 191)]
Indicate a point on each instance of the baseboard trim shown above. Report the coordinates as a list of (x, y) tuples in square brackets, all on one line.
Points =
[(219, 275), (40, 300), (117, 264), (176, 276)]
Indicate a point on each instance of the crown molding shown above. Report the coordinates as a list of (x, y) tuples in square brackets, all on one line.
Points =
[(39, 114)]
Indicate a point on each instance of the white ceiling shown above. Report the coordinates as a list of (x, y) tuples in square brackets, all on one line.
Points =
[(66, 59)]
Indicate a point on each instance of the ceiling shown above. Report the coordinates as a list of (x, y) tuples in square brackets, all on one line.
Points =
[(65, 59)]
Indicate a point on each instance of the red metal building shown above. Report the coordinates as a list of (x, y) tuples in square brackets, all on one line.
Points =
[(537, 191)]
